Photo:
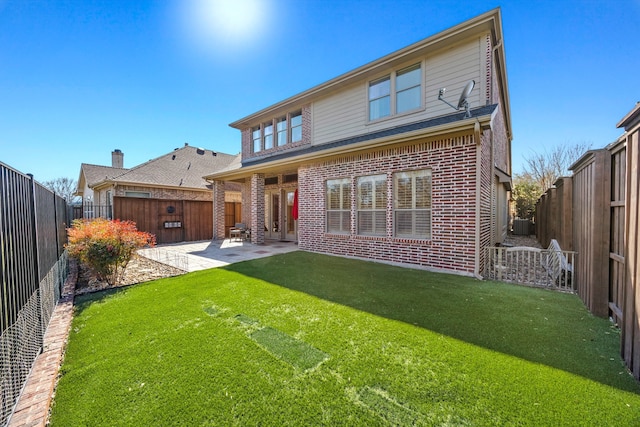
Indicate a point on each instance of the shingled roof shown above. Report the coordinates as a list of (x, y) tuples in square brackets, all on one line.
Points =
[(182, 168), (95, 174)]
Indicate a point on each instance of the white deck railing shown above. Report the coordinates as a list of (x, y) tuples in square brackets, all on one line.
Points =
[(551, 268)]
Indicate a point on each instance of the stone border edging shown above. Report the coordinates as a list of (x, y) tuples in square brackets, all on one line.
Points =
[(33, 404)]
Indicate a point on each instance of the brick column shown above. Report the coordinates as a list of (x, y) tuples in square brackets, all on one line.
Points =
[(257, 208), (218, 210)]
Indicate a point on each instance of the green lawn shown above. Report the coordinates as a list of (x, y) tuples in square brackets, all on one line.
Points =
[(307, 339)]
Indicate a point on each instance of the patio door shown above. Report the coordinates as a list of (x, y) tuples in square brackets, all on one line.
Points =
[(290, 230), (272, 215)]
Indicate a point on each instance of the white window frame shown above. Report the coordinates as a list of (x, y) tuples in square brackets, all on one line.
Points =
[(371, 209), (292, 127), (394, 91), (267, 135), (340, 211), (256, 139), (417, 206), (281, 134)]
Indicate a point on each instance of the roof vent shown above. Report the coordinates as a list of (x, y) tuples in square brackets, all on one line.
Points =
[(200, 151), (173, 157), (214, 153)]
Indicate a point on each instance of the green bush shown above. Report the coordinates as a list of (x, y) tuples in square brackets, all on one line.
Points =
[(106, 246)]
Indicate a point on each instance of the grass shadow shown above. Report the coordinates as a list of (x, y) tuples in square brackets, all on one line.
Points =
[(537, 325)]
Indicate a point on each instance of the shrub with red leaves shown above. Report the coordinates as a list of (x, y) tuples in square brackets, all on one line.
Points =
[(106, 246)]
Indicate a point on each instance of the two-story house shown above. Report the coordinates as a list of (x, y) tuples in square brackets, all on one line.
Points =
[(372, 164)]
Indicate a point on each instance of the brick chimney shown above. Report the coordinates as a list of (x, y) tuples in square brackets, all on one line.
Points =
[(117, 159)]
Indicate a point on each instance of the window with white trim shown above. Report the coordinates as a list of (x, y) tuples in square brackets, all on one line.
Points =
[(380, 98), (396, 93), (267, 129), (296, 126), (339, 206), (256, 136), (281, 131), (412, 204), (408, 93), (372, 205)]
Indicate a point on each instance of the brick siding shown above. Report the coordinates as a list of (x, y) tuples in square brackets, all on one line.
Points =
[(452, 245)]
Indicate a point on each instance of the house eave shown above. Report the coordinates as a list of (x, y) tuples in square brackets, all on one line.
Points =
[(467, 125), (109, 183)]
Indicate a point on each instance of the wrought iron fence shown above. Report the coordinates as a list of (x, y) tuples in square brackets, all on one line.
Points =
[(550, 268), (33, 268), (174, 259), (88, 210)]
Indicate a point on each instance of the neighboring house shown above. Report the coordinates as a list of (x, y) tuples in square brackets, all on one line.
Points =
[(166, 196), (383, 169)]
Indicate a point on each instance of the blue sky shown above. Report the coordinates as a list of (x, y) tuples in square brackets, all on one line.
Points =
[(81, 78)]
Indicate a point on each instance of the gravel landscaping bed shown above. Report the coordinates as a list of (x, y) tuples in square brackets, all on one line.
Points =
[(139, 269)]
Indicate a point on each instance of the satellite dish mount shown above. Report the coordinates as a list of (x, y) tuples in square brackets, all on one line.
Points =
[(463, 101)]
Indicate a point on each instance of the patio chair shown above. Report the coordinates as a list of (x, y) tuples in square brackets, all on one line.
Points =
[(238, 232)]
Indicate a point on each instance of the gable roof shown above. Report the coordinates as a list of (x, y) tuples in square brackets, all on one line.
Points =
[(94, 174), (182, 168), (490, 21)]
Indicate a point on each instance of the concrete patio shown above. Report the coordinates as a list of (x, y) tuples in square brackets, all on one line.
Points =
[(194, 256)]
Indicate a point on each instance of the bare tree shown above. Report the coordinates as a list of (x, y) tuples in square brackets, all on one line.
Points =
[(545, 168), (64, 187)]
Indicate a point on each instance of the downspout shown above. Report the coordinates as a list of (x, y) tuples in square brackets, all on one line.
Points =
[(476, 131)]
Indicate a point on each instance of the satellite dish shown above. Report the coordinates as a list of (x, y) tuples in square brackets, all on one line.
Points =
[(463, 101), (465, 94)]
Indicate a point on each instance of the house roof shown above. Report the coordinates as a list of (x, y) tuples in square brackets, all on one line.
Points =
[(398, 130), (182, 168), (483, 116), (94, 174), (490, 21)]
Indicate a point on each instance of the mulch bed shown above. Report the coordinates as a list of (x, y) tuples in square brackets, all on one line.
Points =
[(139, 269)]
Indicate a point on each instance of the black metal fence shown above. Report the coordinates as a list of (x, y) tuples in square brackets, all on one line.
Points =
[(33, 268), (88, 210)]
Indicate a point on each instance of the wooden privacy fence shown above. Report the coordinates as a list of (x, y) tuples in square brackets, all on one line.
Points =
[(604, 221), (33, 268), (171, 221)]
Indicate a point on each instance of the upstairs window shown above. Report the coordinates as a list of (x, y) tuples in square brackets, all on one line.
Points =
[(339, 206), (412, 204), (281, 131), (256, 135), (408, 93), (380, 98), (268, 135), (372, 205), (396, 93), (296, 126)]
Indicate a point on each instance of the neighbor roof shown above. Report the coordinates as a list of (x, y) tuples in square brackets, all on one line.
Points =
[(182, 168), (95, 174)]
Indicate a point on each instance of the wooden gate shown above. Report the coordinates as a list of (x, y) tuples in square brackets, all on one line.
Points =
[(171, 221)]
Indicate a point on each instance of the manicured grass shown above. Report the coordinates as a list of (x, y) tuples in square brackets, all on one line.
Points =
[(306, 339)]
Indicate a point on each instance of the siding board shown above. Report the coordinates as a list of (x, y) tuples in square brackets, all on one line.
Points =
[(344, 114)]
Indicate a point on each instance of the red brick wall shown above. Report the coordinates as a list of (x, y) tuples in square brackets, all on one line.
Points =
[(452, 246)]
